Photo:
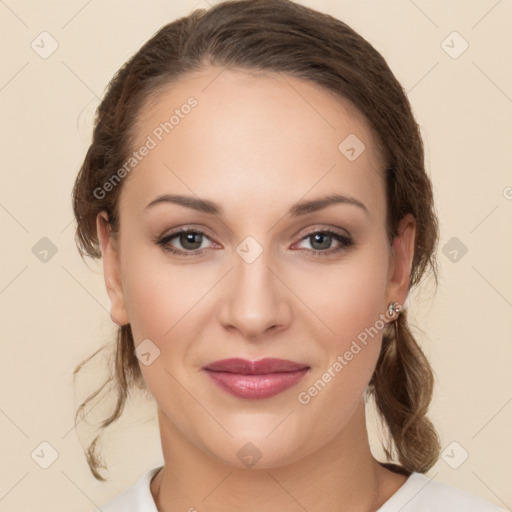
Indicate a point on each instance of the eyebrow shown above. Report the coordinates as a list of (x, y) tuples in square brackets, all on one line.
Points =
[(298, 209)]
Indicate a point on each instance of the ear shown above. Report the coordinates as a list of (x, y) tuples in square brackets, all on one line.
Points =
[(402, 253), (111, 270)]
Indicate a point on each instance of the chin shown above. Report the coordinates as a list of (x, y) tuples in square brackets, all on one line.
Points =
[(258, 452)]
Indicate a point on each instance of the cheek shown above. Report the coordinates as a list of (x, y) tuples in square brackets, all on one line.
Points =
[(350, 306), (159, 295), (164, 305), (346, 298), (167, 304), (341, 300), (349, 302)]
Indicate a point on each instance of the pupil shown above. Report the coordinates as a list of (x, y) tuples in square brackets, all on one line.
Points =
[(189, 238), (324, 238)]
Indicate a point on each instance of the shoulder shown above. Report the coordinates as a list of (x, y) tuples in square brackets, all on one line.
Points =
[(136, 498), (422, 494)]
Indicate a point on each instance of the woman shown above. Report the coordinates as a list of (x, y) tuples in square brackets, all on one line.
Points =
[(256, 189)]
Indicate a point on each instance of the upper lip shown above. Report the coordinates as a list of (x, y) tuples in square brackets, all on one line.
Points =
[(256, 367)]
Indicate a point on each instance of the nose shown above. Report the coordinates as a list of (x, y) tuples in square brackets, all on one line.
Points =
[(255, 300)]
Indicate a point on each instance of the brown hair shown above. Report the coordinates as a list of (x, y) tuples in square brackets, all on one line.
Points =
[(280, 36)]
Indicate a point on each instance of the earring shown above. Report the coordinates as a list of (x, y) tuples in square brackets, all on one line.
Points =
[(394, 307)]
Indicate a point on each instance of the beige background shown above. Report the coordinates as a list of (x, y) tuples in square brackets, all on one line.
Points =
[(55, 313)]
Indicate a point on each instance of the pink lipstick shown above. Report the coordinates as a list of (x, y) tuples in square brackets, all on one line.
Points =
[(261, 378)]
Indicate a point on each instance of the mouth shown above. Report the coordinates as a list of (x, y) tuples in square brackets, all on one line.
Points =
[(261, 378)]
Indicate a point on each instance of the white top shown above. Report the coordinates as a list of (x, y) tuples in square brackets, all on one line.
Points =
[(418, 494)]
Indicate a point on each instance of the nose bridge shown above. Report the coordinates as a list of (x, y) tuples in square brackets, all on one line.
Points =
[(256, 300)]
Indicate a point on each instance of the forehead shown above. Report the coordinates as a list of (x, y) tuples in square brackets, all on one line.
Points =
[(245, 137)]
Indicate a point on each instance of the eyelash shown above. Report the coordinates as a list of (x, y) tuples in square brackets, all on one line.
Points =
[(344, 241)]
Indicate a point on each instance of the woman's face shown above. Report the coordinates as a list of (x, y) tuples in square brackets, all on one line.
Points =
[(252, 281)]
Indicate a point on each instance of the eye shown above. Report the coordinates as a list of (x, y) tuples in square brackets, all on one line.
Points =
[(190, 240), (321, 242)]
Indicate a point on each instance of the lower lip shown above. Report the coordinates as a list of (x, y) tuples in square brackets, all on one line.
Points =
[(256, 386)]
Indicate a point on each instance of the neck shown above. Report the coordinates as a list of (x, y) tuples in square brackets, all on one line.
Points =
[(341, 474)]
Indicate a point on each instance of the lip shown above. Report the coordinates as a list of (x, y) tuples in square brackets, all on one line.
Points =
[(256, 367), (261, 378)]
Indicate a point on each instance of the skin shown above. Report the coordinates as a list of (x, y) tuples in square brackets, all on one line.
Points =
[(256, 144)]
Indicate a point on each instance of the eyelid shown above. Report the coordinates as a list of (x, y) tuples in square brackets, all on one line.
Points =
[(345, 241), (323, 228), (204, 231), (184, 228)]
